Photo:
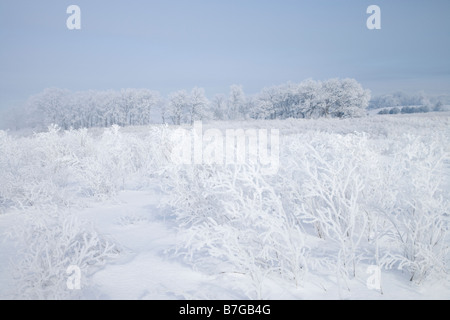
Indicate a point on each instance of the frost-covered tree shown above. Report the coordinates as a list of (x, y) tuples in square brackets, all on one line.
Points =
[(236, 103), (105, 108), (287, 100), (178, 106), (311, 99), (165, 114), (308, 99), (127, 106), (265, 105), (354, 100), (218, 107), (438, 106), (47, 107), (85, 109), (198, 105), (144, 101), (401, 99), (394, 111)]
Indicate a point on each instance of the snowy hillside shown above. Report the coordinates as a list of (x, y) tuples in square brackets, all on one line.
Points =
[(354, 209)]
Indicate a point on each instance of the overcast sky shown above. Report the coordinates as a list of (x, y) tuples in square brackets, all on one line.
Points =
[(178, 44)]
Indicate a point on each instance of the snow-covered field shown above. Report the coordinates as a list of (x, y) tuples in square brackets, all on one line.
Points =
[(350, 198)]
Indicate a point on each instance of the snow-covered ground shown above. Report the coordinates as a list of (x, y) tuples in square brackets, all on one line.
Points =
[(120, 191), (145, 272)]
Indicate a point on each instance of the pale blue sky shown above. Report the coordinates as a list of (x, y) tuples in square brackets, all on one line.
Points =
[(178, 44)]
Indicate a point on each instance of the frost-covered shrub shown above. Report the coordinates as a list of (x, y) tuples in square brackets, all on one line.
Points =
[(48, 245), (233, 215), (35, 170), (65, 168), (338, 200), (419, 220), (7, 147), (331, 194), (383, 197)]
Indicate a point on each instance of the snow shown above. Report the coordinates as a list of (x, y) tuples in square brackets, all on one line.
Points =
[(144, 272), (146, 232)]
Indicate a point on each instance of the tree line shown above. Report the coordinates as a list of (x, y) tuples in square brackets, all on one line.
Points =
[(402, 99), (419, 109), (339, 98)]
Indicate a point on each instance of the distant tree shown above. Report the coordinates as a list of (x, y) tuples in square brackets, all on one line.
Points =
[(288, 100), (165, 114), (127, 105), (408, 110), (394, 111), (422, 99), (384, 101), (423, 109), (219, 107), (402, 99), (332, 92), (47, 107), (438, 106), (265, 107), (344, 98), (236, 103), (105, 111), (145, 100), (178, 106), (198, 105), (310, 99)]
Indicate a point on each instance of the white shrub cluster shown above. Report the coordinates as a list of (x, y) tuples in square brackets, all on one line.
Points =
[(65, 168), (234, 215), (341, 200), (48, 246), (46, 174), (368, 200)]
